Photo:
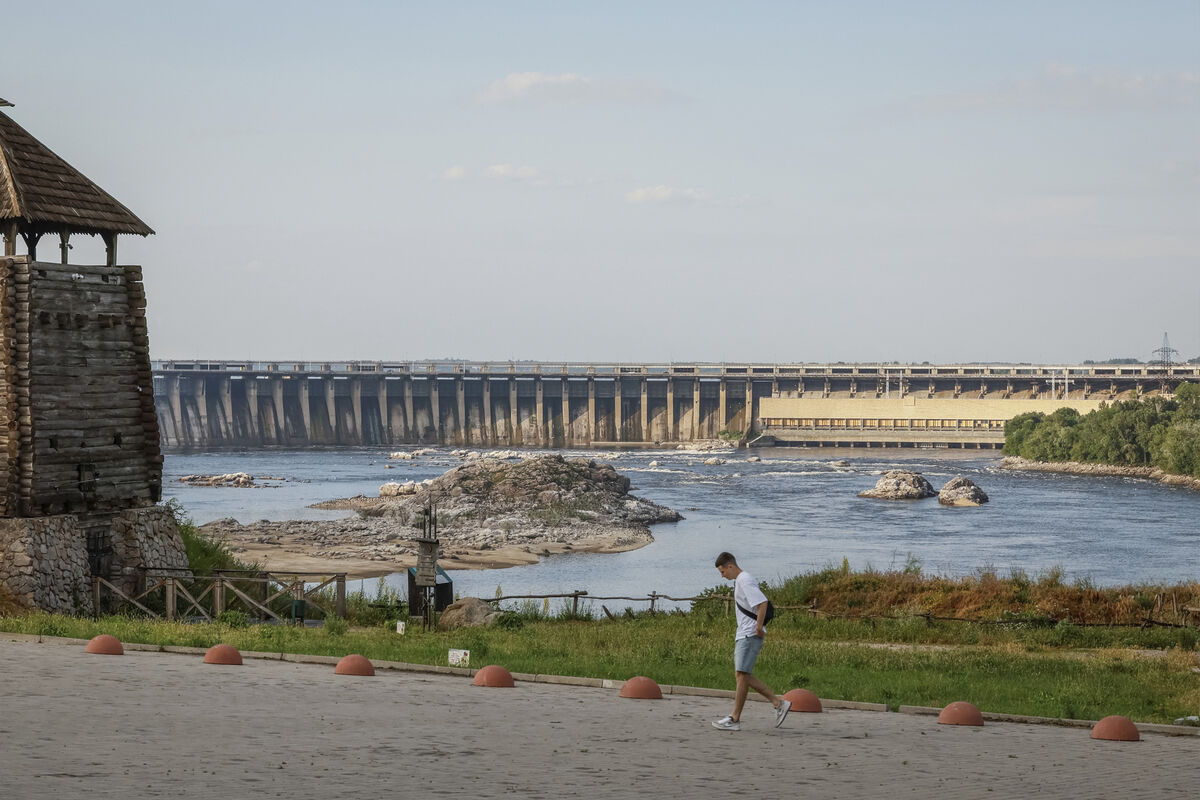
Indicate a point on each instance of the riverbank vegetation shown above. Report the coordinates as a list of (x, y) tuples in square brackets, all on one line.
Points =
[(1157, 431)]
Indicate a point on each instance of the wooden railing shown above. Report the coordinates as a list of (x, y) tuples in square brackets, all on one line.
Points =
[(185, 596)]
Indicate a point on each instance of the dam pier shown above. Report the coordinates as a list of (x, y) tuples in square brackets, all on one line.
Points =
[(245, 405)]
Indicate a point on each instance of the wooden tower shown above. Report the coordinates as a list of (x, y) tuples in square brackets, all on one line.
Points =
[(79, 449)]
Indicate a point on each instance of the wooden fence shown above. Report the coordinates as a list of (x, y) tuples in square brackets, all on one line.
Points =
[(1185, 616), (184, 595)]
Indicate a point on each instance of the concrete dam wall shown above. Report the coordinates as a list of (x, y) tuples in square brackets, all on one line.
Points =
[(216, 405)]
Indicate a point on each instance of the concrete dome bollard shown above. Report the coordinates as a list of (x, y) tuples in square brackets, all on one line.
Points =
[(494, 675), (225, 654), (105, 645), (803, 700), (639, 687), (960, 713), (354, 664), (1116, 728)]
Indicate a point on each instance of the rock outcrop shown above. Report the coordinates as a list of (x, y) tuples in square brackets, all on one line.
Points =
[(238, 479), (469, 612), (961, 492), (1103, 470), (900, 485), (490, 513)]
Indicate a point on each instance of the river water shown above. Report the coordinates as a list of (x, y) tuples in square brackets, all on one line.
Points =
[(795, 511)]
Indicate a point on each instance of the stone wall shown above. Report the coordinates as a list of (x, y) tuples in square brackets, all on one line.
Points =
[(146, 545), (44, 560), (44, 564)]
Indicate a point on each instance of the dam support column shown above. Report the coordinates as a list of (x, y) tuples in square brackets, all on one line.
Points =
[(201, 397), (356, 408), (750, 403), (514, 419), (618, 422), (436, 405), (568, 438), (460, 399), (695, 409), (489, 436), (539, 412), (410, 423), (280, 419), (722, 407), (227, 427), (176, 407), (252, 402), (591, 419), (671, 410), (305, 409), (385, 410), (331, 407), (646, 410)]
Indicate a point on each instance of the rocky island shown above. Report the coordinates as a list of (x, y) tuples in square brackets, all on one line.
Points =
[(491, 513)]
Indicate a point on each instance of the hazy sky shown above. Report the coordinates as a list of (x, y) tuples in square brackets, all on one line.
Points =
[(853, 181)]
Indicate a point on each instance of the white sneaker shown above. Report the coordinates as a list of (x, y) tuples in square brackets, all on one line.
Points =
[(726, 724), (781, 713)]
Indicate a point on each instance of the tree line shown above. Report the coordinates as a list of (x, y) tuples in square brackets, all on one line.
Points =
[(1159, 431)]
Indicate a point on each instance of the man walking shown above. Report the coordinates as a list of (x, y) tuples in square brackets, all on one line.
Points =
[(747, 641)]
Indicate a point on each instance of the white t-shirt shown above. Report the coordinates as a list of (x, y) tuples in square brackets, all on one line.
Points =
[(747, 595)]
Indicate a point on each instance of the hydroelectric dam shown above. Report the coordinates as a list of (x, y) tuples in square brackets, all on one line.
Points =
[(211, 405)]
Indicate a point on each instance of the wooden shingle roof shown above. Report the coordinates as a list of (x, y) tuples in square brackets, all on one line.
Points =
[(43, 193)]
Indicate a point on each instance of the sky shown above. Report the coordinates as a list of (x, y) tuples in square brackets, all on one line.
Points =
[(672, 181)]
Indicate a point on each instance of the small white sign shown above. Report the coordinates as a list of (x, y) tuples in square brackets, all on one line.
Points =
[(400, 628), (460, 658)]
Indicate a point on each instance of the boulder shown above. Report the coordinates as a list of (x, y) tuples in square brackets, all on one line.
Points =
[(394, 489), (714, 461), (468, 612), (961, 492), (900, 485)]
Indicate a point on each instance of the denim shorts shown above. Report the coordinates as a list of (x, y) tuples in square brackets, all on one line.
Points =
[(745, 653)]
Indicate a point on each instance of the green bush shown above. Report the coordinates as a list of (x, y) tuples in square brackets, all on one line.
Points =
[(233, 618), (1157, 431)]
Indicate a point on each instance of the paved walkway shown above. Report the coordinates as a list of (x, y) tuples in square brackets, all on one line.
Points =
[(149, 724)]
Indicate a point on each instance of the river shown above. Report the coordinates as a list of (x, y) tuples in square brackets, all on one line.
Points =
[(793, 512)]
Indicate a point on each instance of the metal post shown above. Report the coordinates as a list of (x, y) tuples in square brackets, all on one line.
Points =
[(340, 589)]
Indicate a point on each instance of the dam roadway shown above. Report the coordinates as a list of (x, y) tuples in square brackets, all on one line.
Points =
[(203, 404)]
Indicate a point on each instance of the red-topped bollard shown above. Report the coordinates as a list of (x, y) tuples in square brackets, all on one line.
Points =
[(494, 675), (1116, 728), (225, 654), (354, 664), (960, 713), (105, 645), (639, 687), (804, 700)]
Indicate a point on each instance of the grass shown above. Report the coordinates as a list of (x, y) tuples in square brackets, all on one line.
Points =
[(695, 650)]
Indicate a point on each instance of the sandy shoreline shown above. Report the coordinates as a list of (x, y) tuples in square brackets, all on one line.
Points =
[(291, 554)]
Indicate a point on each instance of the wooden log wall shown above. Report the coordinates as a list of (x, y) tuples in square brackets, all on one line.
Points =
[(82, 433)]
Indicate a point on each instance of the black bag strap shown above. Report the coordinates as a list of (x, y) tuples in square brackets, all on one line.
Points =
[(747, 611)]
